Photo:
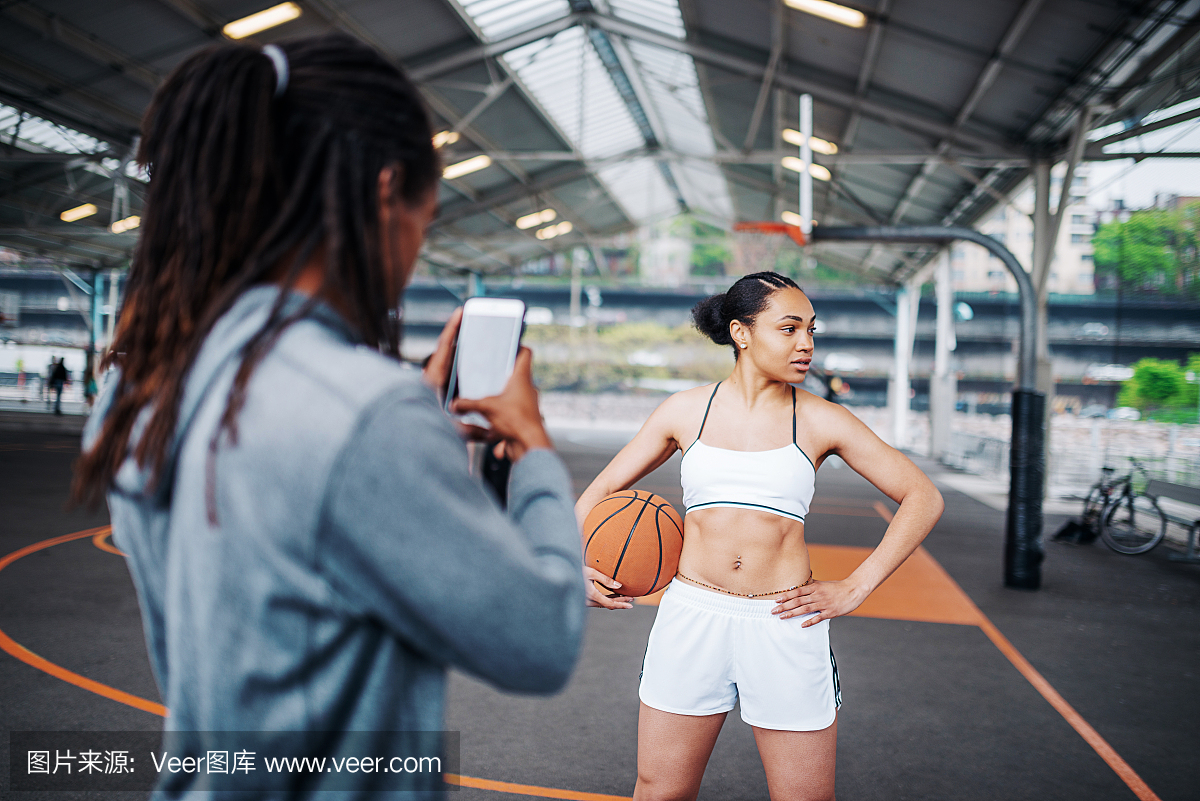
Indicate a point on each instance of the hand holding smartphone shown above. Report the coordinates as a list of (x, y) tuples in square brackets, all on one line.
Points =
[(488, 338)]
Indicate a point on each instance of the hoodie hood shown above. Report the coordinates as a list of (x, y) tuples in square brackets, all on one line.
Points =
[(222, 350)]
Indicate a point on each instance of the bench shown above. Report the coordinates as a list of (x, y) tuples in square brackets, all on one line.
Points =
[(1184, 494)]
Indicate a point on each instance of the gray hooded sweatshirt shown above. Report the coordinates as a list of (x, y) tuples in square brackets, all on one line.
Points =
[(353, 559)]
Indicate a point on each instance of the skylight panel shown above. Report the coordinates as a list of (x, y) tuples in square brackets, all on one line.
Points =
[(566, 78), (662, 16), (497, 18), (37, 135), (572, 86), (640, 189)]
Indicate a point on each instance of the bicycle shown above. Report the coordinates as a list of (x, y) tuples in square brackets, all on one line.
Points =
[(1096, 502), (1086, 529), (1131, 521)]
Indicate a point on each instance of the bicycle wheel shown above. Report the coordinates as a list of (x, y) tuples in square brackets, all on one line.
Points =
[(1133, 524)]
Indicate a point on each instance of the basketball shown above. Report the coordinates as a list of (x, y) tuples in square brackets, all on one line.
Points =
[(634, 536)]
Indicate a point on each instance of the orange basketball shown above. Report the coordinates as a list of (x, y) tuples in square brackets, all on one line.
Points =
[(634, 536)]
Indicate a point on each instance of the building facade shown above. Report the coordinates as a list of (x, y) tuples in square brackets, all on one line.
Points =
[(1072, 271)]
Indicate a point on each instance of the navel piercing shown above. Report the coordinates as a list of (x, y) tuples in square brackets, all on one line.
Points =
[(737, 563)]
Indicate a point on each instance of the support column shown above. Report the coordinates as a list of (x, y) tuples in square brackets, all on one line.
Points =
[(114, 300), (97, 309), (576, 317), (1043, 253), (907, 298), (780, 204), (806, 188), (1045, 232), (475, 286), (943, 384)]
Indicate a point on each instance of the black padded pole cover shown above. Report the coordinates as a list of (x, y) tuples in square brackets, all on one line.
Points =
[(1023, 551)]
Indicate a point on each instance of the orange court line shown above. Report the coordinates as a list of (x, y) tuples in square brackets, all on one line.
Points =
[(101, 541), (99, 535), (18, 651), (919, 590), (1105, 751), (1109, 754), (922, 590), (530, 789), (935, 575)]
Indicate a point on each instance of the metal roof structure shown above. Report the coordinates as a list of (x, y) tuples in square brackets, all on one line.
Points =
[(617, 113)]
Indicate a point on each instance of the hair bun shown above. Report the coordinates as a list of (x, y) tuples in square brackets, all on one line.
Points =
[(709, 320)]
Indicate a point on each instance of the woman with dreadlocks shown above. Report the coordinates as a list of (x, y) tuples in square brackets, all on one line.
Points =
[(308, 548)]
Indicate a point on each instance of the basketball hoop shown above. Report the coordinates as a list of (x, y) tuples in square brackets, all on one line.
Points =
[(756, 244)]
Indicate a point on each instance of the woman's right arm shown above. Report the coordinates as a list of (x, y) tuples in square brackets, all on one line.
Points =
[(653, 445), (410, 539)]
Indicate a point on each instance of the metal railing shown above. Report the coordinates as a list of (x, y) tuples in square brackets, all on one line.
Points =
[(1074, 464)]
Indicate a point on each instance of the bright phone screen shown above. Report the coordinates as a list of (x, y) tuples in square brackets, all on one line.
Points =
[(486, 348)]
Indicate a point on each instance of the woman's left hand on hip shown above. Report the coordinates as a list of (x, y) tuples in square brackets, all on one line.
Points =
[(827, 599)]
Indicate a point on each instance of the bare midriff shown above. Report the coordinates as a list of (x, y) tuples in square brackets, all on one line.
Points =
[(743, 551)]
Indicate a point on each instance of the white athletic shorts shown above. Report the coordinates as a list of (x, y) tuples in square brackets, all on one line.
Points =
[(708, 650)]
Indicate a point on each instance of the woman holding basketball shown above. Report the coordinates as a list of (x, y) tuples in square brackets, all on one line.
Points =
[(744, 618)]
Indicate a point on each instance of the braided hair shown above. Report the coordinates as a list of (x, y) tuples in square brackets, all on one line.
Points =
[(245, 186), (743, 301)]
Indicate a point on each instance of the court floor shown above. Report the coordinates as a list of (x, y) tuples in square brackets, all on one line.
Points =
[(953, 686)]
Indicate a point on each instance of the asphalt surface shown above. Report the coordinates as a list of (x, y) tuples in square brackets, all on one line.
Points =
[(930, 710)]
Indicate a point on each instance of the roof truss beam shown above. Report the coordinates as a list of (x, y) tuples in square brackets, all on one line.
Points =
[(1095, 149), (778, 39), (56, 28), (629, 94), (983, 83), (50, 85), (820, 90), (435, 68), (770, 157), (755, 69), (866, 70)]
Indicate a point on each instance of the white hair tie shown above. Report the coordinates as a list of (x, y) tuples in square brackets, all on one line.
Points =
[(280, 62)]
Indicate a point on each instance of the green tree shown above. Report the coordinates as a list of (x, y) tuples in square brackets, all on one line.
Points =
[(1154, 250), (1156, 384), (1191, 390), (710, 248)]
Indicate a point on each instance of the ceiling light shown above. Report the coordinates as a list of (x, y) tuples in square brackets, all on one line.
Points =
[(552, 231), (78, 213), (815, 170), (537, 218), (794, 137), (473, 164), (792, 218), (830, 11), (267, 18), (443, 138), (127, 224)]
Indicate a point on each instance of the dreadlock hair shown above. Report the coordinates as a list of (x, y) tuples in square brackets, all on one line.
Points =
[(743, 301), (244, 187)]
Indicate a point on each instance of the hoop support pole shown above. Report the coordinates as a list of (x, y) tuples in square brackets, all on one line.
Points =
[(806, 132), (1023, 551)]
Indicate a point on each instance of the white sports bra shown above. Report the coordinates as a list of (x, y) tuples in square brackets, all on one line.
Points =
[(779, 481)]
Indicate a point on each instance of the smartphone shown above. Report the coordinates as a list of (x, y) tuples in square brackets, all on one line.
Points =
[(488, 339)]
